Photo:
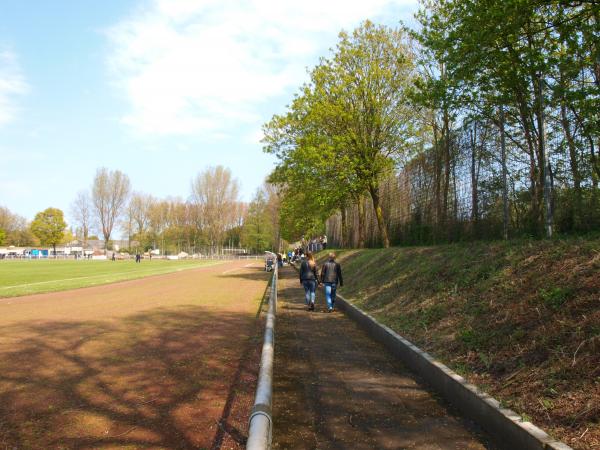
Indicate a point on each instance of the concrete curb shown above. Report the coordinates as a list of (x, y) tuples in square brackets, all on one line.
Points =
[(505, 426)]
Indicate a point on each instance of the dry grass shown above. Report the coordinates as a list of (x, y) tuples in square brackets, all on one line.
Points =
[(520, 319)]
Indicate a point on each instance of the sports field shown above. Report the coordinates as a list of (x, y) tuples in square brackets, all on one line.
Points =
[(163, 362), (26, 277)]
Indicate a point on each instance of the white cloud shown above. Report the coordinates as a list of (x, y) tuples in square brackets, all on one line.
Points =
[(12, 83), (204, 66)]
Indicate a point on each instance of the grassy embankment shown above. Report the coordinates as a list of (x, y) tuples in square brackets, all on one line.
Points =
[(520, 319), (38, 276)]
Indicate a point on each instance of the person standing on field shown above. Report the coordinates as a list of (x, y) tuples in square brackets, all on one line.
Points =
[(308, 279), (331, 275)]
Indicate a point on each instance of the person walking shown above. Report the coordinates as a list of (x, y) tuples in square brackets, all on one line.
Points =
[(308, 279), (331, 275)]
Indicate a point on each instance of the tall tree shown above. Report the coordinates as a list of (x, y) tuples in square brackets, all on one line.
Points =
[(215, 193), (110, 191), (299, 147), (137, 217), (508, 54), (49, 226), (347, 127), (257, 233), (16, 228), (311, 176), (361, 101), (139, 207), (81, 210)]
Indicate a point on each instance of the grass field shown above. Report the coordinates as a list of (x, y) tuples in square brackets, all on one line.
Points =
[(165, 362), (37, 276)]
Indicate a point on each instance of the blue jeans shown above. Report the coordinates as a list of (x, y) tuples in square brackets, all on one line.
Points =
[(330, 289), (310, 286)]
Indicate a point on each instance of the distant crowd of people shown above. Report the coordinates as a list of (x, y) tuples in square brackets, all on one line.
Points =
[(315, 244)]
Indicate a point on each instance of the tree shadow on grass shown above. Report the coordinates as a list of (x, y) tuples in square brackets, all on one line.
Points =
[(159, 379)]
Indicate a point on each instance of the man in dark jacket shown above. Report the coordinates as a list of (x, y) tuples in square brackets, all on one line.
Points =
[(331, 275), (308, 279)]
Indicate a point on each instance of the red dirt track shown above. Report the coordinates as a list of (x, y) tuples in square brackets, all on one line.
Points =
[(162, 362)]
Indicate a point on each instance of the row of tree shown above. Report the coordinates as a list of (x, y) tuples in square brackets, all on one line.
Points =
[(212, 217), (483, 121)]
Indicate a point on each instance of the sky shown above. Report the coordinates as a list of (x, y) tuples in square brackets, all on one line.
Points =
[(159, 89)]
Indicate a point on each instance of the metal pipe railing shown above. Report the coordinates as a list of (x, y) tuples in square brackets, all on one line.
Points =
[(260, 432)]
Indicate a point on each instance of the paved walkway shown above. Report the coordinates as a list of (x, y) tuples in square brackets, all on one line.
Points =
[(335, 388)]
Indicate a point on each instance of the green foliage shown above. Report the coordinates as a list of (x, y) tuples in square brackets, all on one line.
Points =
[(432, 314), (472, 338), (257, 233), (16, 229), (518, 55), (49, 226), (345, 129), (555, 297), (2, 236)]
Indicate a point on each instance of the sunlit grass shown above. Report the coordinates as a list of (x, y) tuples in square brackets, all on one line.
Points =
[(38, 276)]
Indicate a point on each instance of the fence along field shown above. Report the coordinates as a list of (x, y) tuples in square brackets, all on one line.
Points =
[(160, 362)]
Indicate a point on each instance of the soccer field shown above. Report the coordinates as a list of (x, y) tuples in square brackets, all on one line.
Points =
[(164, 362), (38, 276)]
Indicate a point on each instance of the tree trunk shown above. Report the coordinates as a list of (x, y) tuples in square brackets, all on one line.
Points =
[(455, 203), (374, 191), (544, 182), (447, 169), (474, 182), (361, 223), (437, 179), (574, 163), (535, 191), (504, 176), (344, 241), (595, 164), (524, 106)]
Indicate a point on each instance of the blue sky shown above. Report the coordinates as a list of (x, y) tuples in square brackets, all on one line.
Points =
[(159, 89)]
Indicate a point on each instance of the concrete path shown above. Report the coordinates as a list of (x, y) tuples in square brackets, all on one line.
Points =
[(335, 388)]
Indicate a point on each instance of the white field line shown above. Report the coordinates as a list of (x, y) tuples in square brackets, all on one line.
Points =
[(152, 272)]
